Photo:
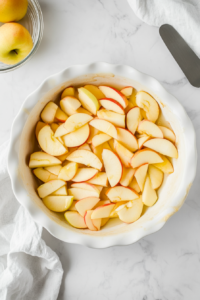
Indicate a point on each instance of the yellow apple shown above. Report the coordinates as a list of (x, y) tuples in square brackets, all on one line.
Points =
[(15, 43), (12, 10)]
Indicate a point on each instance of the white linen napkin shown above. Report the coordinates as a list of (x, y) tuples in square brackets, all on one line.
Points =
[(183, 15), (29, 269)]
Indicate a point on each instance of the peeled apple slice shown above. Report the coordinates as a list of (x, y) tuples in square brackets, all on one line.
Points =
[(42, 159), (86, 204), (149, 104), (165, 166), (88, 100), (58, 203), (77, 137), (50, 187), (162, 146), (85, 157), (149, 195), (49, 143), (132, 214), (44, 175), (113, 167), (75, 219)]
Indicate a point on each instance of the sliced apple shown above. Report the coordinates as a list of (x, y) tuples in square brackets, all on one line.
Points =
[(81, 193), (133, 118), (132, 214), (127, 139), (162, 146), (61, 191), (127, 176), (134, 185), (112, 117), (113, 167), (149, 195), (86, 186), (75, 219), (142, 140), (95, 91), (78, 137), (112, 105), (145, 156), (156, 177), (49, 112), (85, 157), (76, 121), (44, 175), (124, 154), (127, 91), (88, 100), (60, 115), (168, 134), (49, 143), (104, 126), (54, 169), (114, 94), (121, 193), (149, 128), (149, 104), (49, 187), (42, 159), (99, 179), (84, 174), (102, 211), (58, 203), (86, 204), (68, 171), (69, 104), (39, 126), (89, 221), (69, 91), (100, 139), (84, 147), (166, 166), (141, 174)]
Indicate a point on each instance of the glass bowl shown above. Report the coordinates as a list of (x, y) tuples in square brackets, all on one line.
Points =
[(33, 22)]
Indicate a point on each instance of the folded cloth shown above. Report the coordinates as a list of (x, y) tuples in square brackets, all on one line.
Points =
[(29, 269), (183, 15)]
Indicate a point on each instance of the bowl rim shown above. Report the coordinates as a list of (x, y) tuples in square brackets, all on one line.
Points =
[(36, 46), (117, 239)]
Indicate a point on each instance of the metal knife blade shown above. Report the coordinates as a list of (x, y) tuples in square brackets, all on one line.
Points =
[(187, 60)]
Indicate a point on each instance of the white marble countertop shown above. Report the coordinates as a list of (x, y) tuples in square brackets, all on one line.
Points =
[(166, 264)]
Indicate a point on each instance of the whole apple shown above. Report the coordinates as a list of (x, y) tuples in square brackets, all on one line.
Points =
[(15, 43), (12, 10)]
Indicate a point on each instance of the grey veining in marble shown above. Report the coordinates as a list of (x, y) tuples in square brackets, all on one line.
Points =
[(164, 265)]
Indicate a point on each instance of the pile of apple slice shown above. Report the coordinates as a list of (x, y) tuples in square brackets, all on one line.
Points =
[(102, 154)]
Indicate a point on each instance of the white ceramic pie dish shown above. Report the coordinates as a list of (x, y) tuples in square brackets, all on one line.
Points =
[(173, 192)]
